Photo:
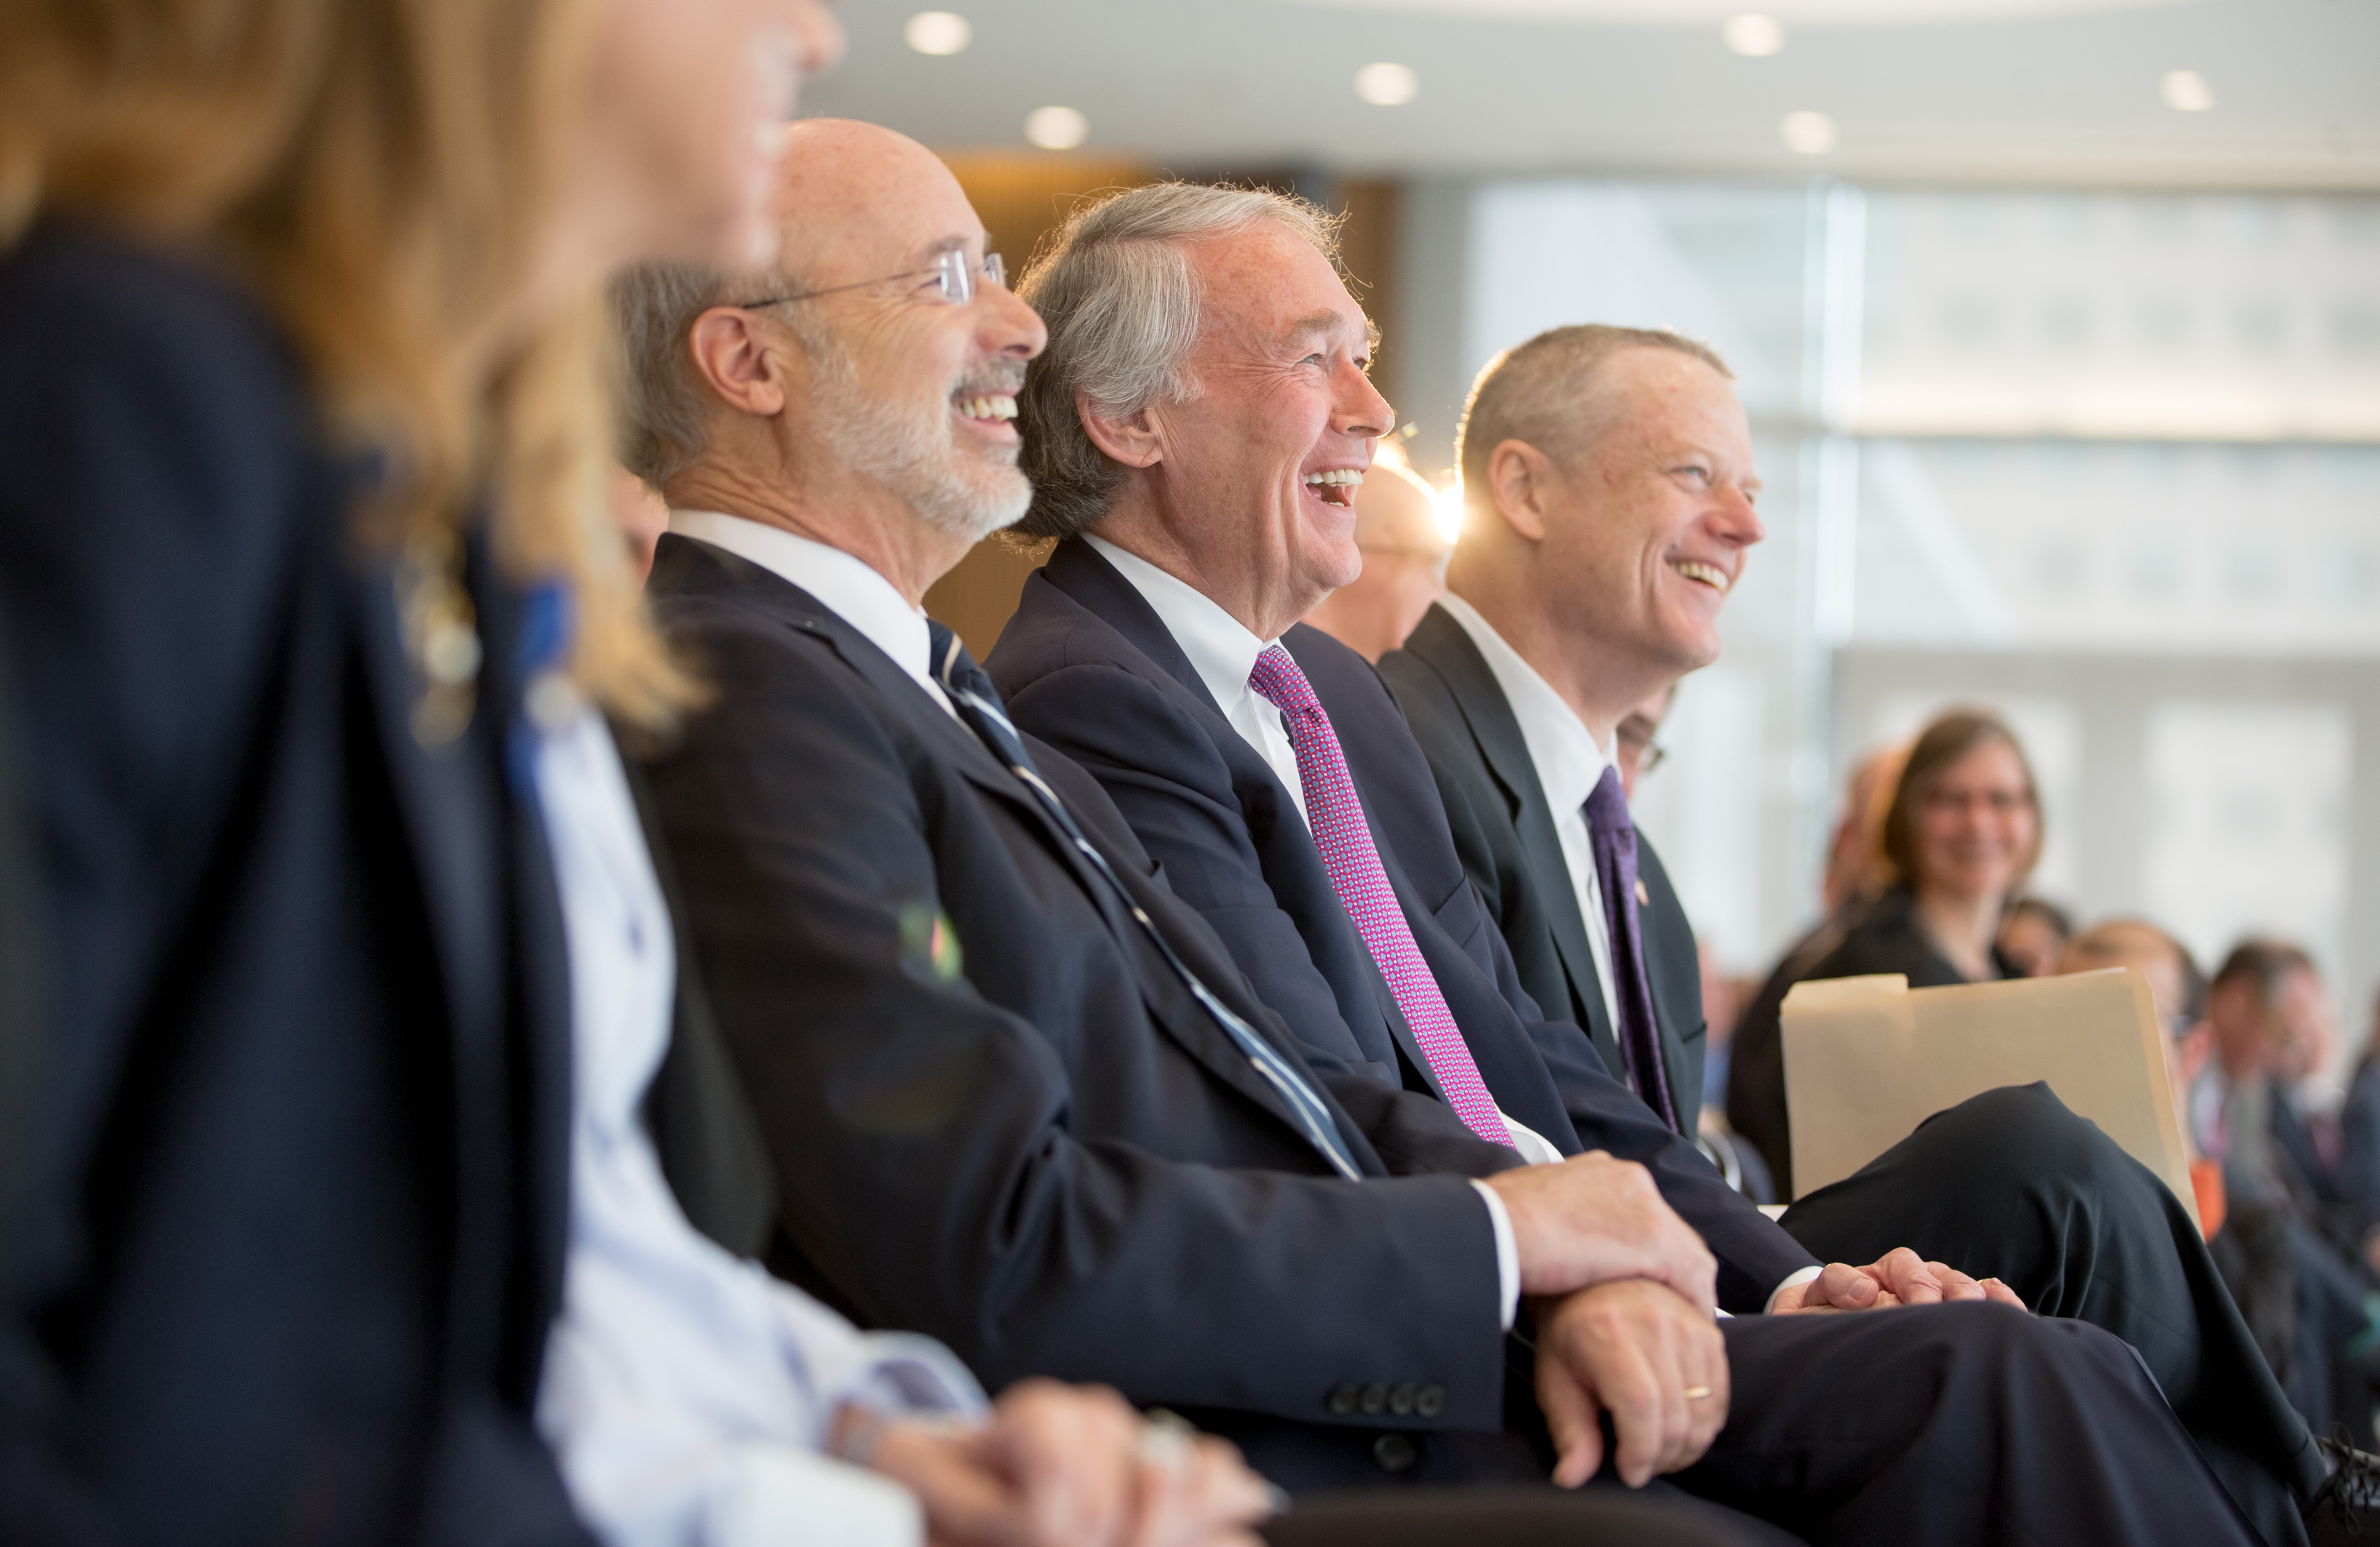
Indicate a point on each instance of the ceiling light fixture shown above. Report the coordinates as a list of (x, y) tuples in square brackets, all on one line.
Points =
[(1386, 85), (1811, 134), (938, 32), (1056, 128), (2186, 91), (1752, 35)]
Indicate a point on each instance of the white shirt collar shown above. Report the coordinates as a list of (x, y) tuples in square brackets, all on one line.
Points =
[(1569, 763), (1220, 649), (844, 585)]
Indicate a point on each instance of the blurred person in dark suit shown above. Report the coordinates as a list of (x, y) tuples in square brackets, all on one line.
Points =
[(2311, 1312), (1404, 561), (1015, 1095), (2270, 1022), (1854, 876), (344, 1074), (2033, 936), (2359, 1126), (1196, 480)]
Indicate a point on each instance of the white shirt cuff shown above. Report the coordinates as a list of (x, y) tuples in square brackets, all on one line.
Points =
[(777, 1496), (1802, 1276), (1508, 1254)]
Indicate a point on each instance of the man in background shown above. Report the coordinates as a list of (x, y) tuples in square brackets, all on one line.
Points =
[(1404, 561)]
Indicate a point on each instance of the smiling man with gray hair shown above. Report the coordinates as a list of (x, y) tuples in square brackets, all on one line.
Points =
[(1195, 431)]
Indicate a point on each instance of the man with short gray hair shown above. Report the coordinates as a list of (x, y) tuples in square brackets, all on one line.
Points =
[(1198, 465), (1610, 490)]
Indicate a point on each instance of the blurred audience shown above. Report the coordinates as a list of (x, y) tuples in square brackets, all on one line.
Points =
[(1404, 560), (2034, 936)]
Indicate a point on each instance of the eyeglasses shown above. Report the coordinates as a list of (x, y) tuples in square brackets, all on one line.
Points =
[(955, 275), (1634, 737)]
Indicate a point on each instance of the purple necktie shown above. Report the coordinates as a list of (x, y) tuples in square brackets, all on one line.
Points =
[(1339, 832), (1612, 835)]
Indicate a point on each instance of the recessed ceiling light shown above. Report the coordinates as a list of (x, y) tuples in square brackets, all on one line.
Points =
[(1387, 85), (1056, 128), (1813, 134), (938, 32), (2186, 91), (1753, 35)]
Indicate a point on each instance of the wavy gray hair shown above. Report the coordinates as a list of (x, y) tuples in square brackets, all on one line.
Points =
[(1120, 298), (653, 307)]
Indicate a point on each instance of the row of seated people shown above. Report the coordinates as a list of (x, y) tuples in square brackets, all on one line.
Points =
[(415, 1088), (1935, 839)]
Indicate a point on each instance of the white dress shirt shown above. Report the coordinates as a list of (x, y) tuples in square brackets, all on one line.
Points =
[(686, 1392), (846, 586), (1569, 764), (1223, 654)]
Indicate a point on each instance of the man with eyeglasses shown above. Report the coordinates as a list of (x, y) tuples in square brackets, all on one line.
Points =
[(1015, 1095)]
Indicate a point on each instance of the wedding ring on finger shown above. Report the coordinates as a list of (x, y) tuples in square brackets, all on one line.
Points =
[(1696, 1394), (1165, 1440)]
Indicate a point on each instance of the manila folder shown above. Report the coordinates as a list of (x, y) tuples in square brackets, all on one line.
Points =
[(1867, 1059)]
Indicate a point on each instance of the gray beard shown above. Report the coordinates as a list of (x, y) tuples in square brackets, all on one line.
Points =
[(911, 453)]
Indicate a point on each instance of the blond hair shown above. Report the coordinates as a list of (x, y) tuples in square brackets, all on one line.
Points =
[(380, 173)]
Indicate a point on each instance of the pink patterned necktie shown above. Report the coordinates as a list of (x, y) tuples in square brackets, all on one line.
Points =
[(1345, 840)]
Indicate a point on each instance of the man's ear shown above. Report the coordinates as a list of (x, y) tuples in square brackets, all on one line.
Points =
[(1520, 484), (1132, 439), (737, 362)]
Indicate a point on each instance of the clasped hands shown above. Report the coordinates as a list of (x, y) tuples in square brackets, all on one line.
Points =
[(1059, 1466), (1624, 1294)]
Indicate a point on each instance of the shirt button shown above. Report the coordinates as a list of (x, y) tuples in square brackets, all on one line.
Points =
[(1400, 1400), (1431, 1401), (1341, 1400), (1394, 1453), (1376, 1397)]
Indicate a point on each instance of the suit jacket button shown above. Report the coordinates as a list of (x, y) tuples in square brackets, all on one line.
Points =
[(1430, 1402), (1341, 1400), (1394, 1453), (1400, 1400), (1376, 1396)]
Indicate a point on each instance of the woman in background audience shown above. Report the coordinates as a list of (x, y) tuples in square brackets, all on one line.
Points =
[(1960, 836), (1961, 831), (305, 568)]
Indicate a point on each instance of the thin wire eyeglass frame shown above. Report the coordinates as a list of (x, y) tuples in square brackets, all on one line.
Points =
[(955, 271)]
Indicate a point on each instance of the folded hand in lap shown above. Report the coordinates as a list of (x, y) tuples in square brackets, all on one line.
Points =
[(1062, 1466), (1898, 1277), (1592, 1220), (1643, 1353)]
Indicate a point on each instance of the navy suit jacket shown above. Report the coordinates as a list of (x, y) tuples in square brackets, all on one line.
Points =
[(1086, 665), (996, 1115), (291, 1218), (1504, 831)]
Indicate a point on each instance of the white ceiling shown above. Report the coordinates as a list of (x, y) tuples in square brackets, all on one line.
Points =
[(2010, 92)]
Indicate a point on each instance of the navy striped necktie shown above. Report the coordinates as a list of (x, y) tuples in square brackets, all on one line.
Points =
[(977, 702)]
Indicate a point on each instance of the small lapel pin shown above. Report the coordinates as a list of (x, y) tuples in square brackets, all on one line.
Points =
[(1643, 898)]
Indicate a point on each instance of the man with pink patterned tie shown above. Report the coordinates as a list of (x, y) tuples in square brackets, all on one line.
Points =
[(1193, 432)]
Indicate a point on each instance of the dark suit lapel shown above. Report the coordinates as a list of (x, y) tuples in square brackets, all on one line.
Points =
[(1443, 644), (1169, 1001), (1083, 573)]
